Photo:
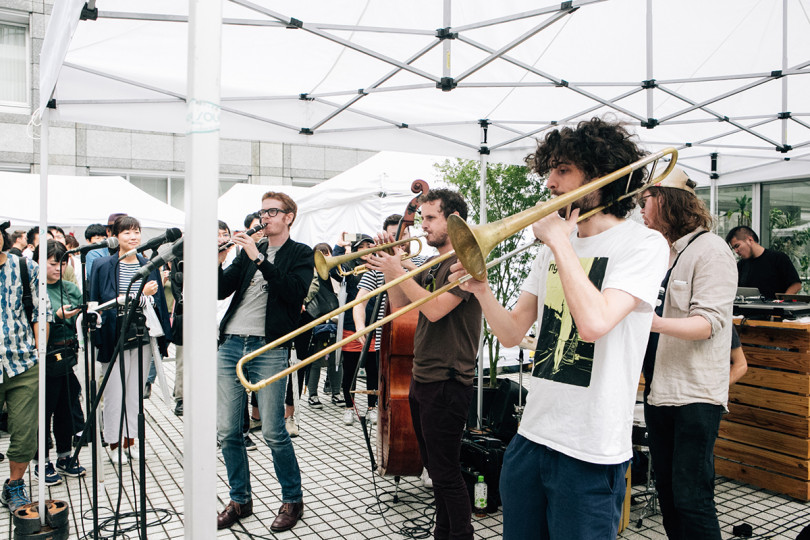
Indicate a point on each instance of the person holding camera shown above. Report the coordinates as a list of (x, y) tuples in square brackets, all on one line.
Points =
[(61, 384)]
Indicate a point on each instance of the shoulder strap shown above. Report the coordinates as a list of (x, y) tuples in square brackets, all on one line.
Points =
[(684, 249), (27, 299)]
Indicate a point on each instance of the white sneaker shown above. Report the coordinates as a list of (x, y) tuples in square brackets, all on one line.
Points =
[(114, 455), (348, 417), (292, 429), (135, 452), (371, 416), (426, 481)]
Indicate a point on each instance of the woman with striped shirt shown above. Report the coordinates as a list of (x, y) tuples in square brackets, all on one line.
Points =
[(110, 279)]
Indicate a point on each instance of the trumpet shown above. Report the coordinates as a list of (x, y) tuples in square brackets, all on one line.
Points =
[(324, 264), (472, 245)]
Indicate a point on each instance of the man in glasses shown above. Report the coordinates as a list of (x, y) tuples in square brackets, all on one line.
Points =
[(592, 289), (445, 348), (269, 281)]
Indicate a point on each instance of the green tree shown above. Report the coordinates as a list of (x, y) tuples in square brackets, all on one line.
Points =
[(510, 189)]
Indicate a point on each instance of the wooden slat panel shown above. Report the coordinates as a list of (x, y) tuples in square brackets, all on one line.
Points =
[(796, 383), (765, 459), (789, 424), (798, 489), (786, 444), (773, 358), (789, 338), (769, 399)]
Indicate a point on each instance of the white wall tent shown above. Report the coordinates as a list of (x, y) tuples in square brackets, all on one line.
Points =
[(726, 82), (357, 200), (78, 201)]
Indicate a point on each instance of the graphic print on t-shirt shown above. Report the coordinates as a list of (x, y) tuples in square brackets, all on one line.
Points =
[(561, 355)]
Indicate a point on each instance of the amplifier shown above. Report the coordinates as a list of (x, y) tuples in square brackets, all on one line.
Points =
[(482, 455)]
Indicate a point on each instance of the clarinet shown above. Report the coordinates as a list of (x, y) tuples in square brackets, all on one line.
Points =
[(248, 232)]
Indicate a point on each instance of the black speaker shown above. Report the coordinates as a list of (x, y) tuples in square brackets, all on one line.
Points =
[(472, 417), (482, 455), (501, 420)]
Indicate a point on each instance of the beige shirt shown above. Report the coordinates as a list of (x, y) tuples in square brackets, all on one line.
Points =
[(703, 283)]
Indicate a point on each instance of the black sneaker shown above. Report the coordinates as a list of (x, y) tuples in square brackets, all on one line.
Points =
[(178, 408), (338, 400), (52, 478), (315, 402), (249, 444), (63, 466), (147, 392)]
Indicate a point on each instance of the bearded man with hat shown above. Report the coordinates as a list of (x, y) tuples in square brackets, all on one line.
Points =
[(686, 367)]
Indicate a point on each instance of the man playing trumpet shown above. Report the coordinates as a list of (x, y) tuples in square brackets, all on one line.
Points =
[(592, 289)]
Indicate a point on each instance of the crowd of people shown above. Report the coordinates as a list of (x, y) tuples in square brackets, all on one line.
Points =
[(611, 298)]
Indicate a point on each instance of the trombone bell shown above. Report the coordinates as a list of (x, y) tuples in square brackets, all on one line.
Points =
[(473, 243)]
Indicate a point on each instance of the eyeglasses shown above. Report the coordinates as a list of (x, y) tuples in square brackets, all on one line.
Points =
[(642, 202), (272, 212)]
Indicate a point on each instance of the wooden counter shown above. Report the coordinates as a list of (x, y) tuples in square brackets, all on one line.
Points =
[(765, 438)]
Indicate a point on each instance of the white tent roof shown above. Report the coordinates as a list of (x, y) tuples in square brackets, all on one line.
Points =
[(76, 201), (355, 201), (721, 75), (241, 199)]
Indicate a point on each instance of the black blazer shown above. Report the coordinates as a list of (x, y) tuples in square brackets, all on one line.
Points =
[(104, 287), (288, 280)]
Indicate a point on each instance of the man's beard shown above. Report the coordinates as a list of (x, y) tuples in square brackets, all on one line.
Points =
[(585, 204), (437, 241)]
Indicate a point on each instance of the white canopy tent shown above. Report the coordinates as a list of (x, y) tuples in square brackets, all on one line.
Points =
[(78, 201), (357, 200), (722, 81)]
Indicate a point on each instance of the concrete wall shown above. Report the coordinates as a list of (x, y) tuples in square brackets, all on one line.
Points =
[(78, 149)]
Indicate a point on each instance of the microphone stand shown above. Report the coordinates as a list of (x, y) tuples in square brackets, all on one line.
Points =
[(90, 391), (96, 399)]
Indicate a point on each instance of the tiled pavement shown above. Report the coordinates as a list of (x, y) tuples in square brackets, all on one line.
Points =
[(343, 498)]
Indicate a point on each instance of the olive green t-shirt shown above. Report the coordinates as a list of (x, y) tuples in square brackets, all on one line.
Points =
[(446, 349)]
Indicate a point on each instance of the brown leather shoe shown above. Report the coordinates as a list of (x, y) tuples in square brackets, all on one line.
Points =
[(288, 516), (233, 513)]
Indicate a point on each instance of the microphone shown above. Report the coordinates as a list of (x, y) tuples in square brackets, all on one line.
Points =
[(169, 236), (249, 232), (165, 254), (111, 243)]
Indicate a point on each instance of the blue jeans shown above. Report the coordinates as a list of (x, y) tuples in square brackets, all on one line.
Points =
[(231, 402), (549, 495), (682, 450)]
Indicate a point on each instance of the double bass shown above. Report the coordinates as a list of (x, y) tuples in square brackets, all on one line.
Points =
[(397, 447)]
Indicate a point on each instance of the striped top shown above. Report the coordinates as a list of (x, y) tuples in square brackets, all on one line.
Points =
[(18, 351), (126, 271)]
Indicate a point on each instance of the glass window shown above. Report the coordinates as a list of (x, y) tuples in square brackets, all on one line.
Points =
[(13, 64), (733, 206), (155, 186), (786, 221)]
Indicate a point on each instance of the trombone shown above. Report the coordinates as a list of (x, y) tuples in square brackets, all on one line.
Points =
[(324, 264), (472, 245)]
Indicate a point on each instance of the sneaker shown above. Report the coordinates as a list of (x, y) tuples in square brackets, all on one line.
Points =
[(117, 454), (338, 400), (63, 466), (249, 444), (178, 408), (147, 392), (426, 480), (135, 452), (292, 429), (14, 495), (52, 478), (255, 425), (315, 402), (348, 417), (371, 416)]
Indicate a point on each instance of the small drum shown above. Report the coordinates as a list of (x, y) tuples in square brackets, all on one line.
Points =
[(639, 436)]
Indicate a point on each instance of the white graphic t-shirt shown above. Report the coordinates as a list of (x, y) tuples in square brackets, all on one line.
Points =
[(582, 394)]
